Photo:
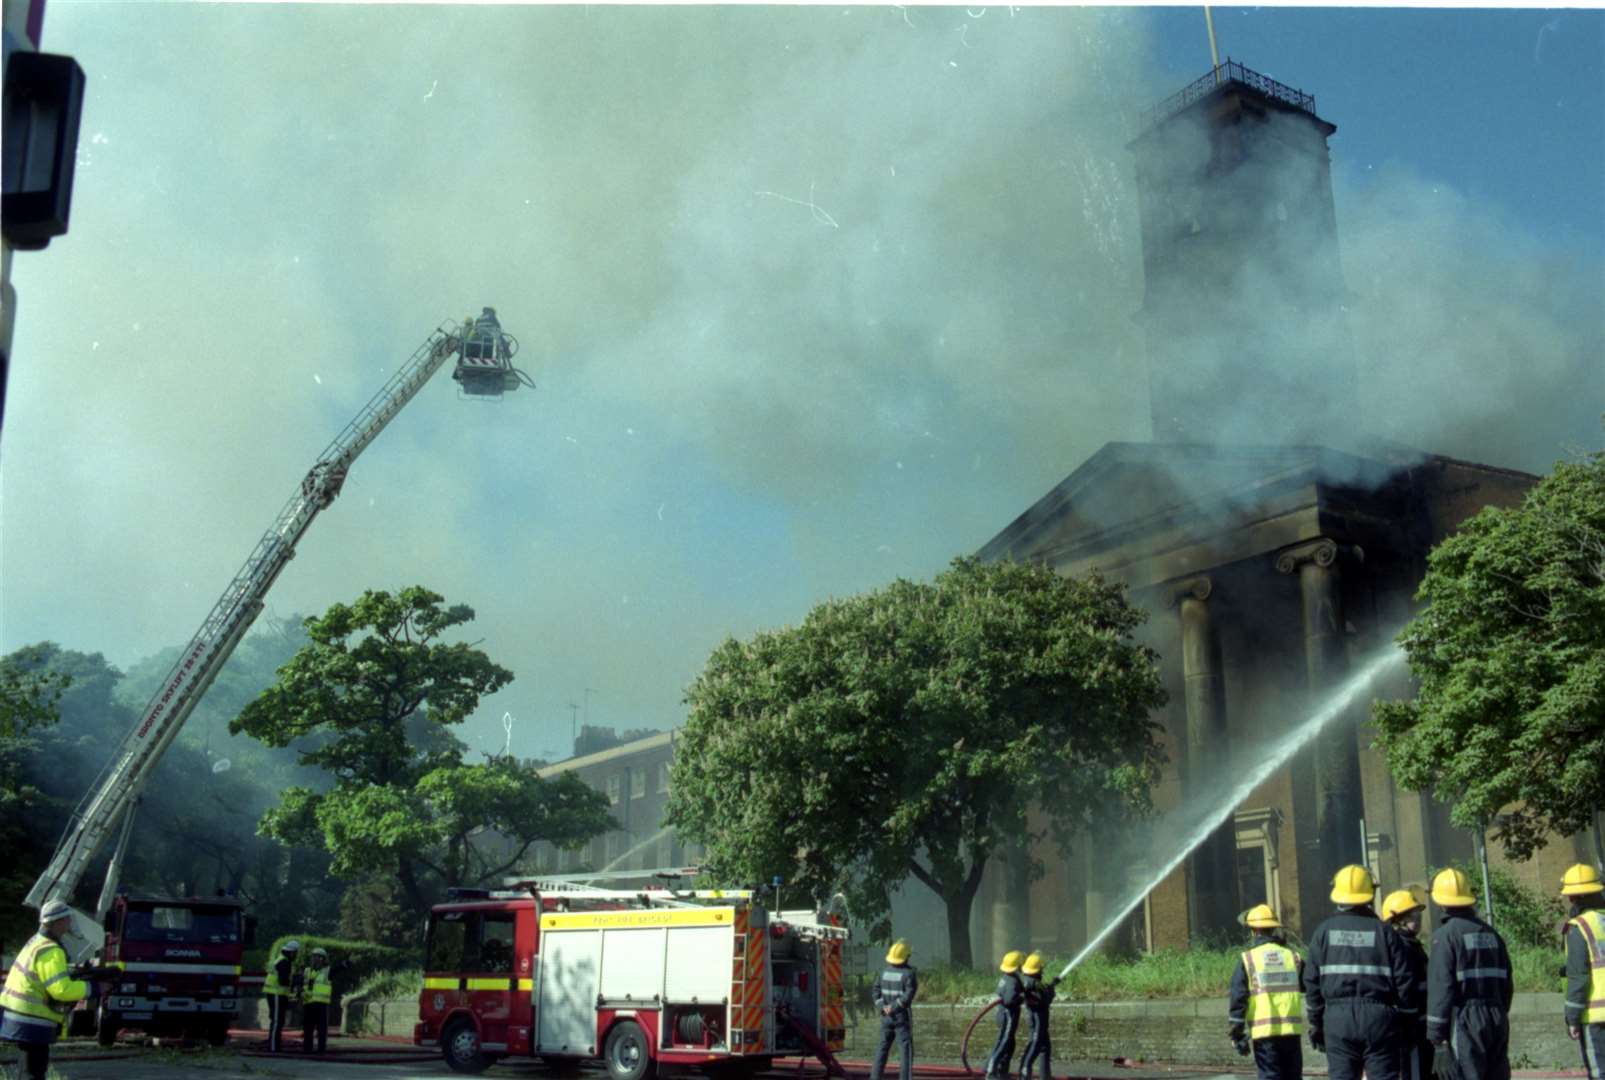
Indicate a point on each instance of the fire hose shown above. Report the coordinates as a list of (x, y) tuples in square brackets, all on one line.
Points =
[(964, 1047)]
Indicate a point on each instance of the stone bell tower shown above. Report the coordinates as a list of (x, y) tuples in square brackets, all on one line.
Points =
[(1242, 312)]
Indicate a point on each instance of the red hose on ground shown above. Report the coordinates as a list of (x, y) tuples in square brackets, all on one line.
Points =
[(964, 1047)]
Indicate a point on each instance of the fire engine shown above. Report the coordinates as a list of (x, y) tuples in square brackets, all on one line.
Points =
[(173, 954), (703, 978)]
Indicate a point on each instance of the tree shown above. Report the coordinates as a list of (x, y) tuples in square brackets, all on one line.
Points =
[(907, 731), (1508, 724), (379, 689), (29, 692)]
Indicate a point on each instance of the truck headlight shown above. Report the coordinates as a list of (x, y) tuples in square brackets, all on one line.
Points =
[(127, 988), (227, 991)]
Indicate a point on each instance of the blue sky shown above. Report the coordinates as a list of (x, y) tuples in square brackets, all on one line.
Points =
[(814, 297)]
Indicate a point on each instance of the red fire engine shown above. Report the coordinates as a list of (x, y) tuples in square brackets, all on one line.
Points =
[(695, 978)]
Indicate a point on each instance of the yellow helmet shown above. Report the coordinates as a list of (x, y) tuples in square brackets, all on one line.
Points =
[(1032, 965), (898, 953), (1261, 917), (1011, 961), (1400, 902), (1581, 880), (1451, 888), (1353, 885)]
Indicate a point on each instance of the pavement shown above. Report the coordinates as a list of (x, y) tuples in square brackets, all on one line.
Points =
[(352, 1058)]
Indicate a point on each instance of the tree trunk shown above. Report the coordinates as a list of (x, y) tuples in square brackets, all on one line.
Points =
[(958, 927), (409, 885)]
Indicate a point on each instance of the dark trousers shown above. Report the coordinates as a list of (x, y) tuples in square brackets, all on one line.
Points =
[(1593, 1047), (275, 1004), (33, 1060), (1417, 1063), (1037, 1048), (1279, 1057), (1480, 1042), (1003, 1050), (1362, 1036), (898, 1026), (315, 1024)]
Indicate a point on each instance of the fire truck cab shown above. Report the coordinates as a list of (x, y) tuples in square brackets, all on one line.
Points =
[(694, 979)]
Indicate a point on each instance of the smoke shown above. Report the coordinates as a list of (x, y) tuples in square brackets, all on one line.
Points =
[(814, 297)]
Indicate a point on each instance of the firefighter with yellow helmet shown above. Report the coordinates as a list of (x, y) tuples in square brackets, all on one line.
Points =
[(39, 993), (894, 994), (1266, 1008), (1039, 995), (1403, 911), (1469, 988), (1357, 984), (1585, 965), (1010, 996)]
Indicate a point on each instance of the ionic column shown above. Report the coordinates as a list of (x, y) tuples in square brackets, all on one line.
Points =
[(1340, 806), (1212, 870)]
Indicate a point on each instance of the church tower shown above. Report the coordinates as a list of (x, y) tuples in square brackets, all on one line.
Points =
[(1242, 312)]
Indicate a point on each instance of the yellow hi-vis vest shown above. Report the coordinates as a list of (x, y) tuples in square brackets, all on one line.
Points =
[(40, 990), (1275, 999), (271, 985), (1591, 924), (315, 990)]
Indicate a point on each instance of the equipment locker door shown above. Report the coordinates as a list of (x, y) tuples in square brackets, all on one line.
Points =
[(570, 978)]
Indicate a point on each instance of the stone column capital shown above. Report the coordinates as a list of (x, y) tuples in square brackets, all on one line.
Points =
[(1198, 587), (1323, 552)]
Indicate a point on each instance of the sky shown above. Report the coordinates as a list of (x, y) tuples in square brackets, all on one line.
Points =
[(814, 297)]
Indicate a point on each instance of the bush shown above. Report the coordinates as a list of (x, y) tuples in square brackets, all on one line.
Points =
[(1523, 917), (353, 962)]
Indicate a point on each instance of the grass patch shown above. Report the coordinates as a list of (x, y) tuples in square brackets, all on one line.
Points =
[(1191, 973)]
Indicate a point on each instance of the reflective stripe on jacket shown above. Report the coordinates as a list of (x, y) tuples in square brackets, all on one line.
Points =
[(40, 987), (1591, 1008), (1275, 1000), (316, 989)]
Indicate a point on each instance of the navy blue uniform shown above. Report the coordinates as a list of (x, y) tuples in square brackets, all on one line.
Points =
[(1038, 1047), (1469, 989), (1415, 1062), (1357, 998), (1010, 997), (894, 992)]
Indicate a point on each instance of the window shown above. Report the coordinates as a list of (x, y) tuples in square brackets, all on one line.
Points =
[(613, 845), (448, 938), (1256, 857), (665, 851), (663, 777), (209, 925), (496, 943), (614, 786), (637, 783)]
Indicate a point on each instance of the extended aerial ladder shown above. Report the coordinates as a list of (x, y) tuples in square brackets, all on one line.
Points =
[(484, 368)]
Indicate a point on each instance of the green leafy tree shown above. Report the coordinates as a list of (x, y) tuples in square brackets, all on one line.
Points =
[(907, 731), (1508, 724), (29, 692), (379, 689)]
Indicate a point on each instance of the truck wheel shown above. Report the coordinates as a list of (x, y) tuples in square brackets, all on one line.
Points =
[(627, 1053), (460, 1045), (106, 1024), (217, 1034)]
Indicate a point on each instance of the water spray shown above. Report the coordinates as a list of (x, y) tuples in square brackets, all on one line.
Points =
[(1272, 760)]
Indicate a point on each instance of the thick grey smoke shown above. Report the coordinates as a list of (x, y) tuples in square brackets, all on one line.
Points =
[(814, 296)]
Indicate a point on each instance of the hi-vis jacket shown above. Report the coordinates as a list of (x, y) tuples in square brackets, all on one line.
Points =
[(1266, 996), (39, 992), (315, 988), (1585, 968)]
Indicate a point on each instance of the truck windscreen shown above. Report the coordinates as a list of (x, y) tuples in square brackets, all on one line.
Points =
[(194, 925)]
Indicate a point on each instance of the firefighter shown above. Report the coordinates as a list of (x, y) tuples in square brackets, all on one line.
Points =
[(40, 991), (1402, 911), (1357, 984), (1267, 1009), (1468, 988), (1010, 997), (316, 993), (1585, 965), (894, 993), (277, 988), (1038, 997)]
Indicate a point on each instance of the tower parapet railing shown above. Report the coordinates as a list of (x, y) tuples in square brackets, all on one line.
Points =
[(1229, 72)]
